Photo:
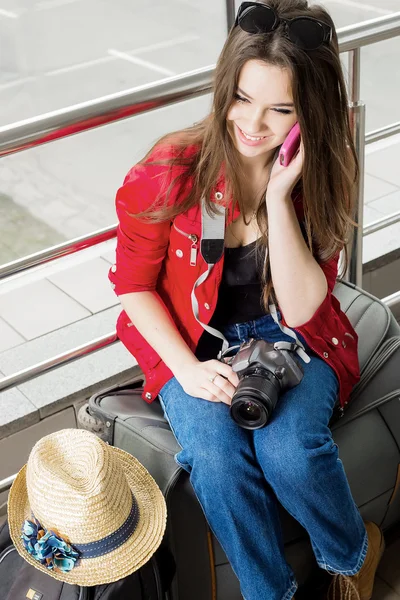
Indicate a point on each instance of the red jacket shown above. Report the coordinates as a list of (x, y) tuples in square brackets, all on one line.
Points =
[(157, 257)]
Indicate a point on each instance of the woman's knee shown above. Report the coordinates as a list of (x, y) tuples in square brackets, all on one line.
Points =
[(294, 457), (218, 452)]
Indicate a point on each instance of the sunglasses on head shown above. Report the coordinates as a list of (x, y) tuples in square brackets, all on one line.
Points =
[(306, 32)]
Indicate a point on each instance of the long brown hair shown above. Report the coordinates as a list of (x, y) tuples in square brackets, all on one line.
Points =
[(330, 169)]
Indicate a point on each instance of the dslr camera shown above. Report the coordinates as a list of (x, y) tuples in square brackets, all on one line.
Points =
[(265, 370)]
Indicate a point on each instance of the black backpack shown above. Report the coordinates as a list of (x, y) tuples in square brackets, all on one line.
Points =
[(20, 581)]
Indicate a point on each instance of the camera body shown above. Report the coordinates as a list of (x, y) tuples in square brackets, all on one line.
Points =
[(265, 370)]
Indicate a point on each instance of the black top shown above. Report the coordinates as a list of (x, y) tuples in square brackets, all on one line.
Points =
[(239, 296)]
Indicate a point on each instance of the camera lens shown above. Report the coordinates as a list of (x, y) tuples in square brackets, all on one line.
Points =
[(255, 398), (249, 411)]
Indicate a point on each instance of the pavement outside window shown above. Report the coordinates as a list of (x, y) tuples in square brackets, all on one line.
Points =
[(21, 233)]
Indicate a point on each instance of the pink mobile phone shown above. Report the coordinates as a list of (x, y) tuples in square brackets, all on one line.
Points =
[(290, 146)]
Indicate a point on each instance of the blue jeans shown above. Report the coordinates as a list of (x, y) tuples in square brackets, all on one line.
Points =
[(240, 475)]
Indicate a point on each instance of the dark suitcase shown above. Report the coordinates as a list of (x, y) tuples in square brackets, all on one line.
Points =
[(368, 437), (20, 580)]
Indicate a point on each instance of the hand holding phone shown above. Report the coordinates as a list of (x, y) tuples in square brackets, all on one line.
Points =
[(290, 146)]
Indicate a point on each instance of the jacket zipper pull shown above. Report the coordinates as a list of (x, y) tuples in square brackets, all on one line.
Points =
[(193, 250)]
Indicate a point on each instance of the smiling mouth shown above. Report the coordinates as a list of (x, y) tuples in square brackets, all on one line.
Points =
[(250, 137)]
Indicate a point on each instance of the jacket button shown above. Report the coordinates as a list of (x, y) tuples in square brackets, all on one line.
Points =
[(219, 195), (179, 253), (326, 355), (206, 305), (148, 395), (113, 286), (344, 344), (113, 268), (335, 341)]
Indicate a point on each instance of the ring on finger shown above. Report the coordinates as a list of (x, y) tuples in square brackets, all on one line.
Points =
[(213, 378)]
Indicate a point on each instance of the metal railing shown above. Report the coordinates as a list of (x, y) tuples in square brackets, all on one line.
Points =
[(57, 361), (103, 111), (81, 117), (382, 223), (64, 122), (6, 483)]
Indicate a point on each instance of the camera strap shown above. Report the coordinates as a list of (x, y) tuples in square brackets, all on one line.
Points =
[(212, 248), (292, 347), (300, 350)]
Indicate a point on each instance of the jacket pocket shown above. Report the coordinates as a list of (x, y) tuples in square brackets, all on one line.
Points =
[(184, 241)]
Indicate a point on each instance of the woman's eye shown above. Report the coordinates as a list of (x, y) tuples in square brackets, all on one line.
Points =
[(240, 98), (283, 111)]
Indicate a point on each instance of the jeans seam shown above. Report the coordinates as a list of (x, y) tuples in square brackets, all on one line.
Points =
[(291, 591), (172, 429), (349, 572)]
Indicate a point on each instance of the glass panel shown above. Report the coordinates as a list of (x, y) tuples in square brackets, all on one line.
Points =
[(66, 189), (380, 83), (55, 53)]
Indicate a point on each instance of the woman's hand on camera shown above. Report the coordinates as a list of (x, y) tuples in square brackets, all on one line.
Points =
[(211, 380)]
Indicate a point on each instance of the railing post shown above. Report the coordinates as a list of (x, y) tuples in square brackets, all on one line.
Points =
[(357, 122), (230, 13)]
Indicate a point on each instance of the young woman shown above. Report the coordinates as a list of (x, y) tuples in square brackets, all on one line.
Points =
[(284, 230)]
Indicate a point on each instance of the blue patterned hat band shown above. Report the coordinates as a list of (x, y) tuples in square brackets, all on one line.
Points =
[(52, 551)]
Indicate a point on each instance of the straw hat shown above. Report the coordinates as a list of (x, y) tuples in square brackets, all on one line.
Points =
[(84, 512)]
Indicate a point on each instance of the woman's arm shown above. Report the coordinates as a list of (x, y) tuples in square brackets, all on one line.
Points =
[(211, 380), (154, 323), (141, 250), (299, 282)]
